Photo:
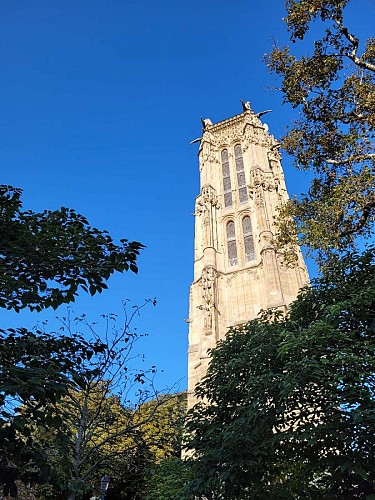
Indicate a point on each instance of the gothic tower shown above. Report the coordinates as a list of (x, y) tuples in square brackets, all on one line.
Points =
[(237, 271)]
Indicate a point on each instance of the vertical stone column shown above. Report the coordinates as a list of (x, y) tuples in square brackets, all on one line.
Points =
[(207, 208), (204, 294), (260, 183)]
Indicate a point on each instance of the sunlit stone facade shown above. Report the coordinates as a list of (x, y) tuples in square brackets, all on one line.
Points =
[(237, 271)]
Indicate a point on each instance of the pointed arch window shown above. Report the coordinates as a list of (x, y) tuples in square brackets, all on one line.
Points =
[(241, 180), (226, 178), (232, 245), (248, 238)]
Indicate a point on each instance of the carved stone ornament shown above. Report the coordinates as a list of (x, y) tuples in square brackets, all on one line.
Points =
[(207, 200), (257, 135), (255, 185), (208, 283), (246, 106), (208, 149), (261, 181), (228, 135), (269, 182), (253, 272), (209, 195), (206, 123), (205, 205), (274, 156)]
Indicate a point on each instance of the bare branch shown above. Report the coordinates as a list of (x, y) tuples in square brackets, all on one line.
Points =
[(351, 159), (354, 41), (349, 36), (361, 63)]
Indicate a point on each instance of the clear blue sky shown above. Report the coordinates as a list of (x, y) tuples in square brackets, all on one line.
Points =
[(99, 101)]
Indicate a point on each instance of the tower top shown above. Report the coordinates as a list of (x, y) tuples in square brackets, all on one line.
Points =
[(247, 117), (246, 110)]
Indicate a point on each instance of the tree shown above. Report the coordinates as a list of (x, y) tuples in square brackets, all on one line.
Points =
[(113, 420), (287, 407), (334, 90), (45, 258), (159, 444), (168, 480), (36, 371), (230, 430), (163, 433)]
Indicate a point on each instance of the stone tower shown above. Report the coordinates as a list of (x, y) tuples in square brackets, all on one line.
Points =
[(237, 271)]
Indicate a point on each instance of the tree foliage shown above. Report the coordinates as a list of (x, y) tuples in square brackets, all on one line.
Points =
[(113, 420), (129, 443), (163, 432), (36, 371), (45, 258), (333, 88), (168, 480), (287, 407)]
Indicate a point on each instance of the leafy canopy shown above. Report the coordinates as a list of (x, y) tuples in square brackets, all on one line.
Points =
[(112, 420), (287, 407), (36, 371), (168, 480), (45, 258), (333, 87)]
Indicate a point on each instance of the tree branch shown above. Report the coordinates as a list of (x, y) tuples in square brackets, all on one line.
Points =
[(351, 159), (354, 41), (361, 221)]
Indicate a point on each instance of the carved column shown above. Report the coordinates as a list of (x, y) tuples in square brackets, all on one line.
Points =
[(206, 208), (260, 183)]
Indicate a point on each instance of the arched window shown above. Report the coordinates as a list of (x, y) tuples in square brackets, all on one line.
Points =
[(226, 178), (241, 181), (232, 246), (248, 238)]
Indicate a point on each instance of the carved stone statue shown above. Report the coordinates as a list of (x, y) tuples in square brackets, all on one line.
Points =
[(208, 283), (206, 122), (245, 105), (204, 209)]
